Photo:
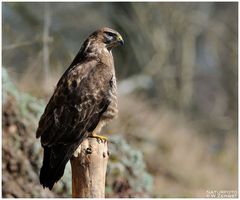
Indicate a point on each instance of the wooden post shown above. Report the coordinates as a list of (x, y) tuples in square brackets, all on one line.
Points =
[(89, 165)]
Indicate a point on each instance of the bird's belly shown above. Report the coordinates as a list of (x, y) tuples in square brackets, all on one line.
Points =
[(112, 110), (108, 115)]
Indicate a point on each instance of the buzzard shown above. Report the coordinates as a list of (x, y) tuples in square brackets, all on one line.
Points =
[(83, 102)]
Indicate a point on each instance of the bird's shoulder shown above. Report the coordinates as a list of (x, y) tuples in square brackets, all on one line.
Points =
[(88, 76), (88, 81), (81, 93)]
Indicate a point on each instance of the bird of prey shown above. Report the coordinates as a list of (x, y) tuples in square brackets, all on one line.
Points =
[(84, 100)]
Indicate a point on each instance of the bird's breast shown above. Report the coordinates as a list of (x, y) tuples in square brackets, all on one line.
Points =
[(112, 109)]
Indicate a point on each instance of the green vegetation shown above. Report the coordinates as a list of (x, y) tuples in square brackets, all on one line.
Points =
[(22, 157)]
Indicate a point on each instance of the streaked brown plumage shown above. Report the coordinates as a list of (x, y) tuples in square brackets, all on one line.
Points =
[(83, 101)]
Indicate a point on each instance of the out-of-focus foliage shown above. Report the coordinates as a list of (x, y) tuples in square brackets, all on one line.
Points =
[(22, 154), (177, 77), (21, 151), (182, 158), (187, 50), (126, 175)]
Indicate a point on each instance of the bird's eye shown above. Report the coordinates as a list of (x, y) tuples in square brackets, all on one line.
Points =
[(109, 37), (110, 34)]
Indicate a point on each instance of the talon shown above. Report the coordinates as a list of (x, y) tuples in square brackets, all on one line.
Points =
[(99, 137)]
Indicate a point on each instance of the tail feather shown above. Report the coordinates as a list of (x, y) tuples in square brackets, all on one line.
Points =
[(53, 167)]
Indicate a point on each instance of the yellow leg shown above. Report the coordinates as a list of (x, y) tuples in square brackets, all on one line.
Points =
[(100, 137), (97, 131)]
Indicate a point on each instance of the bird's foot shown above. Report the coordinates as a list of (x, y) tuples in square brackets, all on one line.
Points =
[(99, 137)]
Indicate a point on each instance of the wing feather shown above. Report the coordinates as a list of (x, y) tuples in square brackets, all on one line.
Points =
[(75, 109)]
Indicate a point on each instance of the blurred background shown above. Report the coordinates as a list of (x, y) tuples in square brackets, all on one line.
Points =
[(178, 94)]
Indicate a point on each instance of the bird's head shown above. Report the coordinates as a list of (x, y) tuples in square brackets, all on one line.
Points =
[(108, 37), (99, 43)]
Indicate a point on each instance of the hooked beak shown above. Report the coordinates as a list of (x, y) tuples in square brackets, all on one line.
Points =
[(120, 39), (116, 41)]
